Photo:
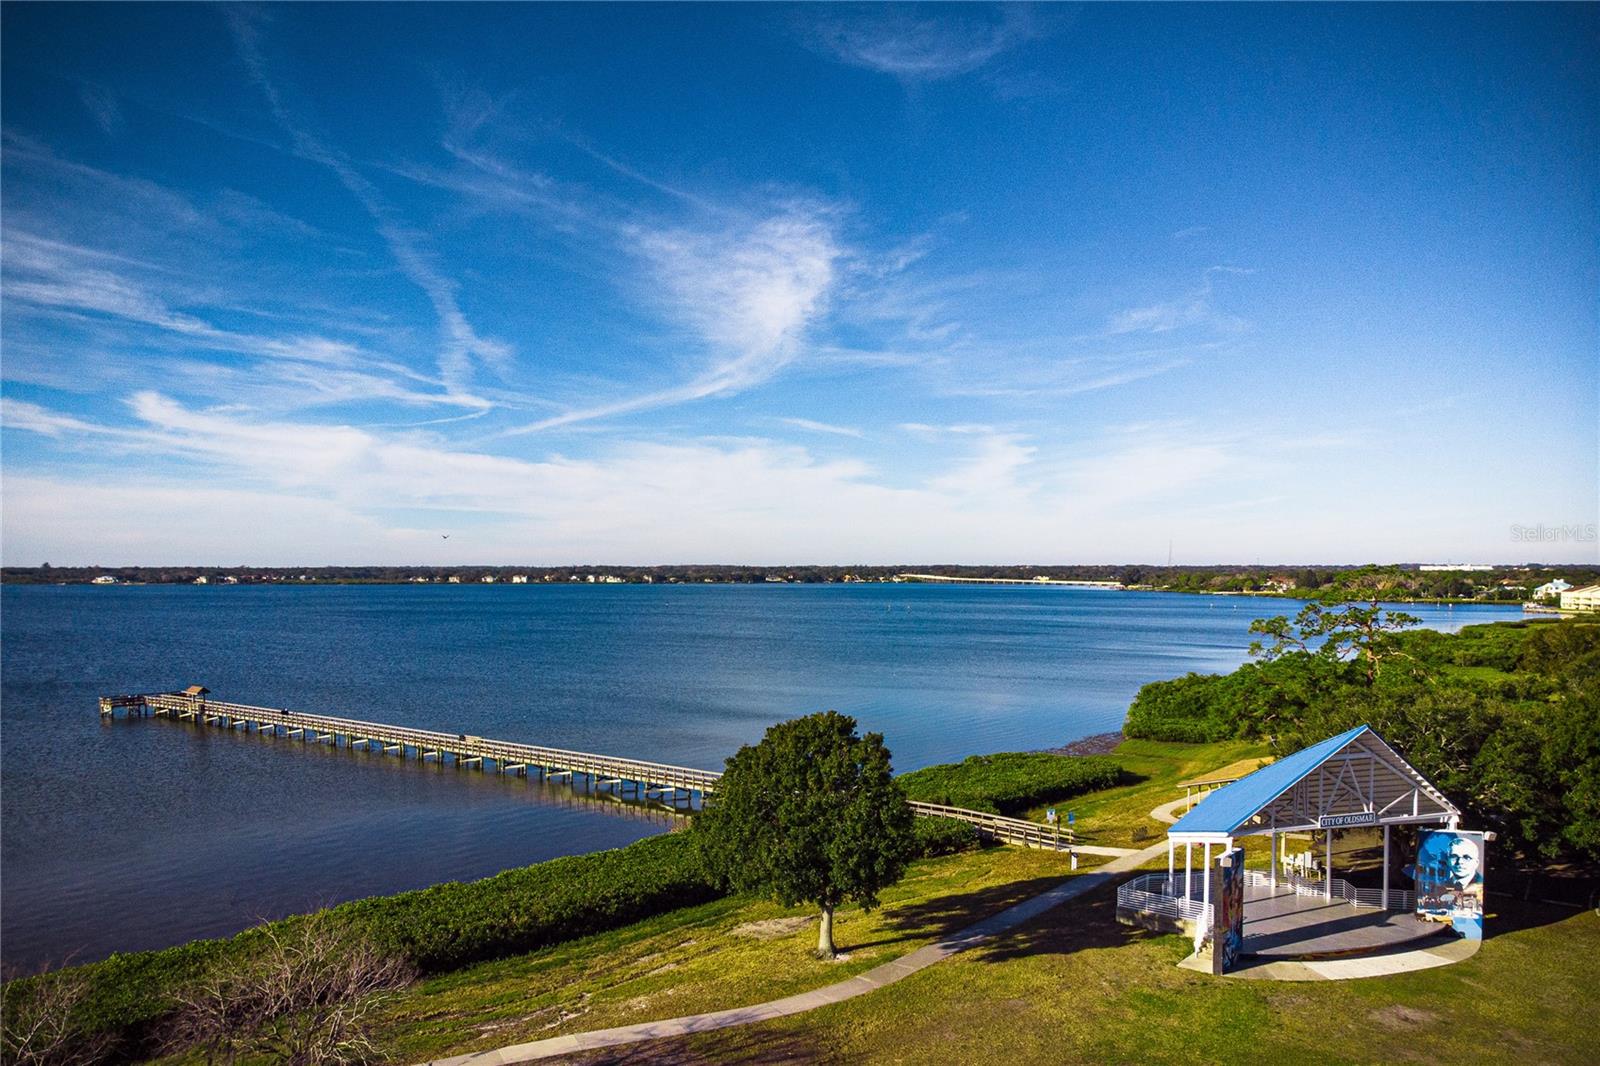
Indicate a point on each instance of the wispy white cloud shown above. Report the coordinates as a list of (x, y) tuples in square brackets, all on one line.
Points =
[(101, 103), (917, 44), (54, 274), (44, 276), (748, 293), (461, 342), (823, 427), (992, 470), (375, 496), (1196, 308), (961, 429)]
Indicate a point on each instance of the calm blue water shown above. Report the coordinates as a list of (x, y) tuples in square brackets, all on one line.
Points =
[(127, 835)]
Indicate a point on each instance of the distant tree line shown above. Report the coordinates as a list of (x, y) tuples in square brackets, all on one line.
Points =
[(1505, 718), (1511, 584)]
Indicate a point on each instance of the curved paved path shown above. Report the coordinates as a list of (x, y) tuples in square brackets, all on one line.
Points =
[(1168, 812), (886, 974)]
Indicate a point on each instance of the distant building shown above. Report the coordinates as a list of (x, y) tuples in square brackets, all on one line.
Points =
[(1584, 599), (519, 579), (612, 579), (1551, 589), (455, 579), (487, 579), (202, 580), (230, 580), (104, 579), (1454, 567)]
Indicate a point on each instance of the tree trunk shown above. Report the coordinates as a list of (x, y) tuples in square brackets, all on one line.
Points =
[(825, 948)]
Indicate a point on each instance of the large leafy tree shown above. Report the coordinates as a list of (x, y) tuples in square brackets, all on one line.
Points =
[(1360, 632), (812, 814)]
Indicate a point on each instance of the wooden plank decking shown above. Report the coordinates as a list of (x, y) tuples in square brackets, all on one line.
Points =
[(673, 786)]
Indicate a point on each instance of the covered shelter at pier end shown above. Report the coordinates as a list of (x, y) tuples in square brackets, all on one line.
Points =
[(1348, 781)]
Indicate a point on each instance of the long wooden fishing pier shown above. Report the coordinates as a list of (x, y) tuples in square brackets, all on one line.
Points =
[(674, 787)]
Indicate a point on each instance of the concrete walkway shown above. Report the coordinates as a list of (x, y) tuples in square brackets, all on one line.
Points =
[(886, 974), (1377, 965), (1168, 812), (1098, 849)]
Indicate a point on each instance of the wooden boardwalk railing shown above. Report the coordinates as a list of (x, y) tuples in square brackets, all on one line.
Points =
[(998, 827), (672, 786)]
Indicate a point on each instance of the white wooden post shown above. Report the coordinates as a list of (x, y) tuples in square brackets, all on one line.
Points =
[(1385, 867), (1206, 889), (1188, 860), (1327, 887), (1171, 859), (1273, 877)]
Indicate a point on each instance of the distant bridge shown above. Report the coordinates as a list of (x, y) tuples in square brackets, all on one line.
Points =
[(673, 787), (1010, 581)]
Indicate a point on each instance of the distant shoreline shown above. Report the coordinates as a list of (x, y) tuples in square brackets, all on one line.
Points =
[(1099, 744), (1394, 582)]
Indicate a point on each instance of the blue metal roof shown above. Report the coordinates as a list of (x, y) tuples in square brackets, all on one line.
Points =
[(1229, 807)]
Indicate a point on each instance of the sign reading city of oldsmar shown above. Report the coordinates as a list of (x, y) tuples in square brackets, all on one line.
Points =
[(1341, 821)]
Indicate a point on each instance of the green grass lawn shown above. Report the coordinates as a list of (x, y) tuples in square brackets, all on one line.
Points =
[(728, 953), (1073, 986), (1070, 986), (1115, 816), (738, 951)]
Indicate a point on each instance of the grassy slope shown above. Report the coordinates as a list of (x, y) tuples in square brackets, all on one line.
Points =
[(1113, 816), (692, 960), (1089, 990), (1070, 986)]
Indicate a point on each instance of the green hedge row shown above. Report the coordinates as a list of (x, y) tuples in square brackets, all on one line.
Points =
[(1011, 782), (444, 927), (944, 836), (1193, 709), (456, 924), (439, 928)]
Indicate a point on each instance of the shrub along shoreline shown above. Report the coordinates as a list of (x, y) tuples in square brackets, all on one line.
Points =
[(437, 929), (1012, 782), (127, 999)]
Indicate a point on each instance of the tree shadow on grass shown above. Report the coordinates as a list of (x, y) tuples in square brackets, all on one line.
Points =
[(1080, 924), (944, 915), (1514, 915), (748, 1046)]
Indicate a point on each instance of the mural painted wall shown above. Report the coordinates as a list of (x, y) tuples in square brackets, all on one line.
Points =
[(1227, 901), (1449, 879)]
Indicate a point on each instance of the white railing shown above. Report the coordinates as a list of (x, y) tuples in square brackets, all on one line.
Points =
[(1153, 894), (1400, 899), (511, 756), (999, 827)]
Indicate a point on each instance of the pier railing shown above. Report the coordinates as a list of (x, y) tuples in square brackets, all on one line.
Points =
[(672, 785), (998, 827), (462, 748)]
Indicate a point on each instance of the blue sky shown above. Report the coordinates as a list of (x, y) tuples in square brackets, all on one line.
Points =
[(322, 284)]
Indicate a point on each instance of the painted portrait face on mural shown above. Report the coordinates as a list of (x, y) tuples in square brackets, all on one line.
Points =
[(1449, 859), (1449, 877), (1461, 861)]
